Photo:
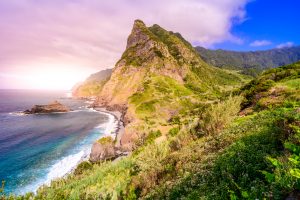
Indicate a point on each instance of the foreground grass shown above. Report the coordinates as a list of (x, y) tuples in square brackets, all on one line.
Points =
[(189, 165), (231, 164)]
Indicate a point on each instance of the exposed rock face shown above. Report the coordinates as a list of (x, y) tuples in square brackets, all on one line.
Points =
[(103, 149), (145, 54), (50, 108), (154, 54)]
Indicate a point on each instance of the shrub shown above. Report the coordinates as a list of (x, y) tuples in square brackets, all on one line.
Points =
[(2, 190), (286, 168), (105, 140), (82, 167), (173, 131), (152, 136), (232, 161), (219, 115)]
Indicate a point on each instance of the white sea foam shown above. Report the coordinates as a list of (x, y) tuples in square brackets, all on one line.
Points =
[(17, 113), (60, 169), (67, 164), (111, 126)]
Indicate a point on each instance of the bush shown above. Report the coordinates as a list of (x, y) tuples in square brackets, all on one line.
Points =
[(152, 136), (219, 115), (82, 167), (232, 161), (173, 131), (286, 168), (105, 140)]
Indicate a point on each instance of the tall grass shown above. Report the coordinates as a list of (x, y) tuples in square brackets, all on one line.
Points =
[(219, 115)]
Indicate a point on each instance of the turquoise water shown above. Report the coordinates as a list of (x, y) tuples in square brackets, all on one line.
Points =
[(37, 148)]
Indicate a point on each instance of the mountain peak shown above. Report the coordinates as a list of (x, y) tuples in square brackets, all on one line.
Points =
[(138, 22), (139, 33)]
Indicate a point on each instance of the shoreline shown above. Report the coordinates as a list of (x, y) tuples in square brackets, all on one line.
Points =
[(114, 132), (113, 129), (120, 124)]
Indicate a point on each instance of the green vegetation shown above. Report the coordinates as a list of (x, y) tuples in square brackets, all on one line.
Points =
[(273, 88), (105, 140), (214, 119), (2, 190), (158, 93), (173, 131), (250, 63)]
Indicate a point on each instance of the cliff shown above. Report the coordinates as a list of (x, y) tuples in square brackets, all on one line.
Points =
[(159, 74)]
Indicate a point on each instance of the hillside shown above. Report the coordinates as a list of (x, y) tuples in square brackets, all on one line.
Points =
[(159, 76), (92, 86), (251, 62), (213, 152), (194, 131)]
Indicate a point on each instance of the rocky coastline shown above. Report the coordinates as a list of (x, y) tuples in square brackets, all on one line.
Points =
[(108, 150), (108, 147)]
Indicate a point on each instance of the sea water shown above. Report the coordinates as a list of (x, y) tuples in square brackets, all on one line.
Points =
[(35, 149)]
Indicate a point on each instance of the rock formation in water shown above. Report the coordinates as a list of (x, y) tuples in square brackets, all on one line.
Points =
[(50, 108)]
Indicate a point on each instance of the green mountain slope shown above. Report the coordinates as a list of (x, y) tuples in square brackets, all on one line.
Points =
[(255, 157), (250, 62)]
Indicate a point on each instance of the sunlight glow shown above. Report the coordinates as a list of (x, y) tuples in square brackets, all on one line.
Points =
[(54, 77)]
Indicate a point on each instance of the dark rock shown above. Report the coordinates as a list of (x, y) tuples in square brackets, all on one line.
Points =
[(50, 108)]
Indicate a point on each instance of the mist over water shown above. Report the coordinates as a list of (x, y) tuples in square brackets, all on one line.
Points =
[(37, 148)]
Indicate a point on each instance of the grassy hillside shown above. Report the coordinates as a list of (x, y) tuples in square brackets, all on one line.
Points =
[(252, 62), (215, 151)]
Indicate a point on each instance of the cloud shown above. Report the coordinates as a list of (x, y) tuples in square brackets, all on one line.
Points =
[(260, 43), (284, 45), (92, 33)]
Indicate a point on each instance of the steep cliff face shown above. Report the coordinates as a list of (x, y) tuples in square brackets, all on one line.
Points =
[(158, 75), (145, 54)]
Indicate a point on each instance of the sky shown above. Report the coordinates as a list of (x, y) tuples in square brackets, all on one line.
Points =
[(53, 44)]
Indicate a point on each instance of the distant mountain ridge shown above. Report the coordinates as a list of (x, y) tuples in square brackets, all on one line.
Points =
[(100, 76), (252, 61), (92, 85)]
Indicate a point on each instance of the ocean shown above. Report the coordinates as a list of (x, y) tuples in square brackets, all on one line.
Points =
[(34, 149)]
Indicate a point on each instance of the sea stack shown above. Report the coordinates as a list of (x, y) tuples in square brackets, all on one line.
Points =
[(50, 108)]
